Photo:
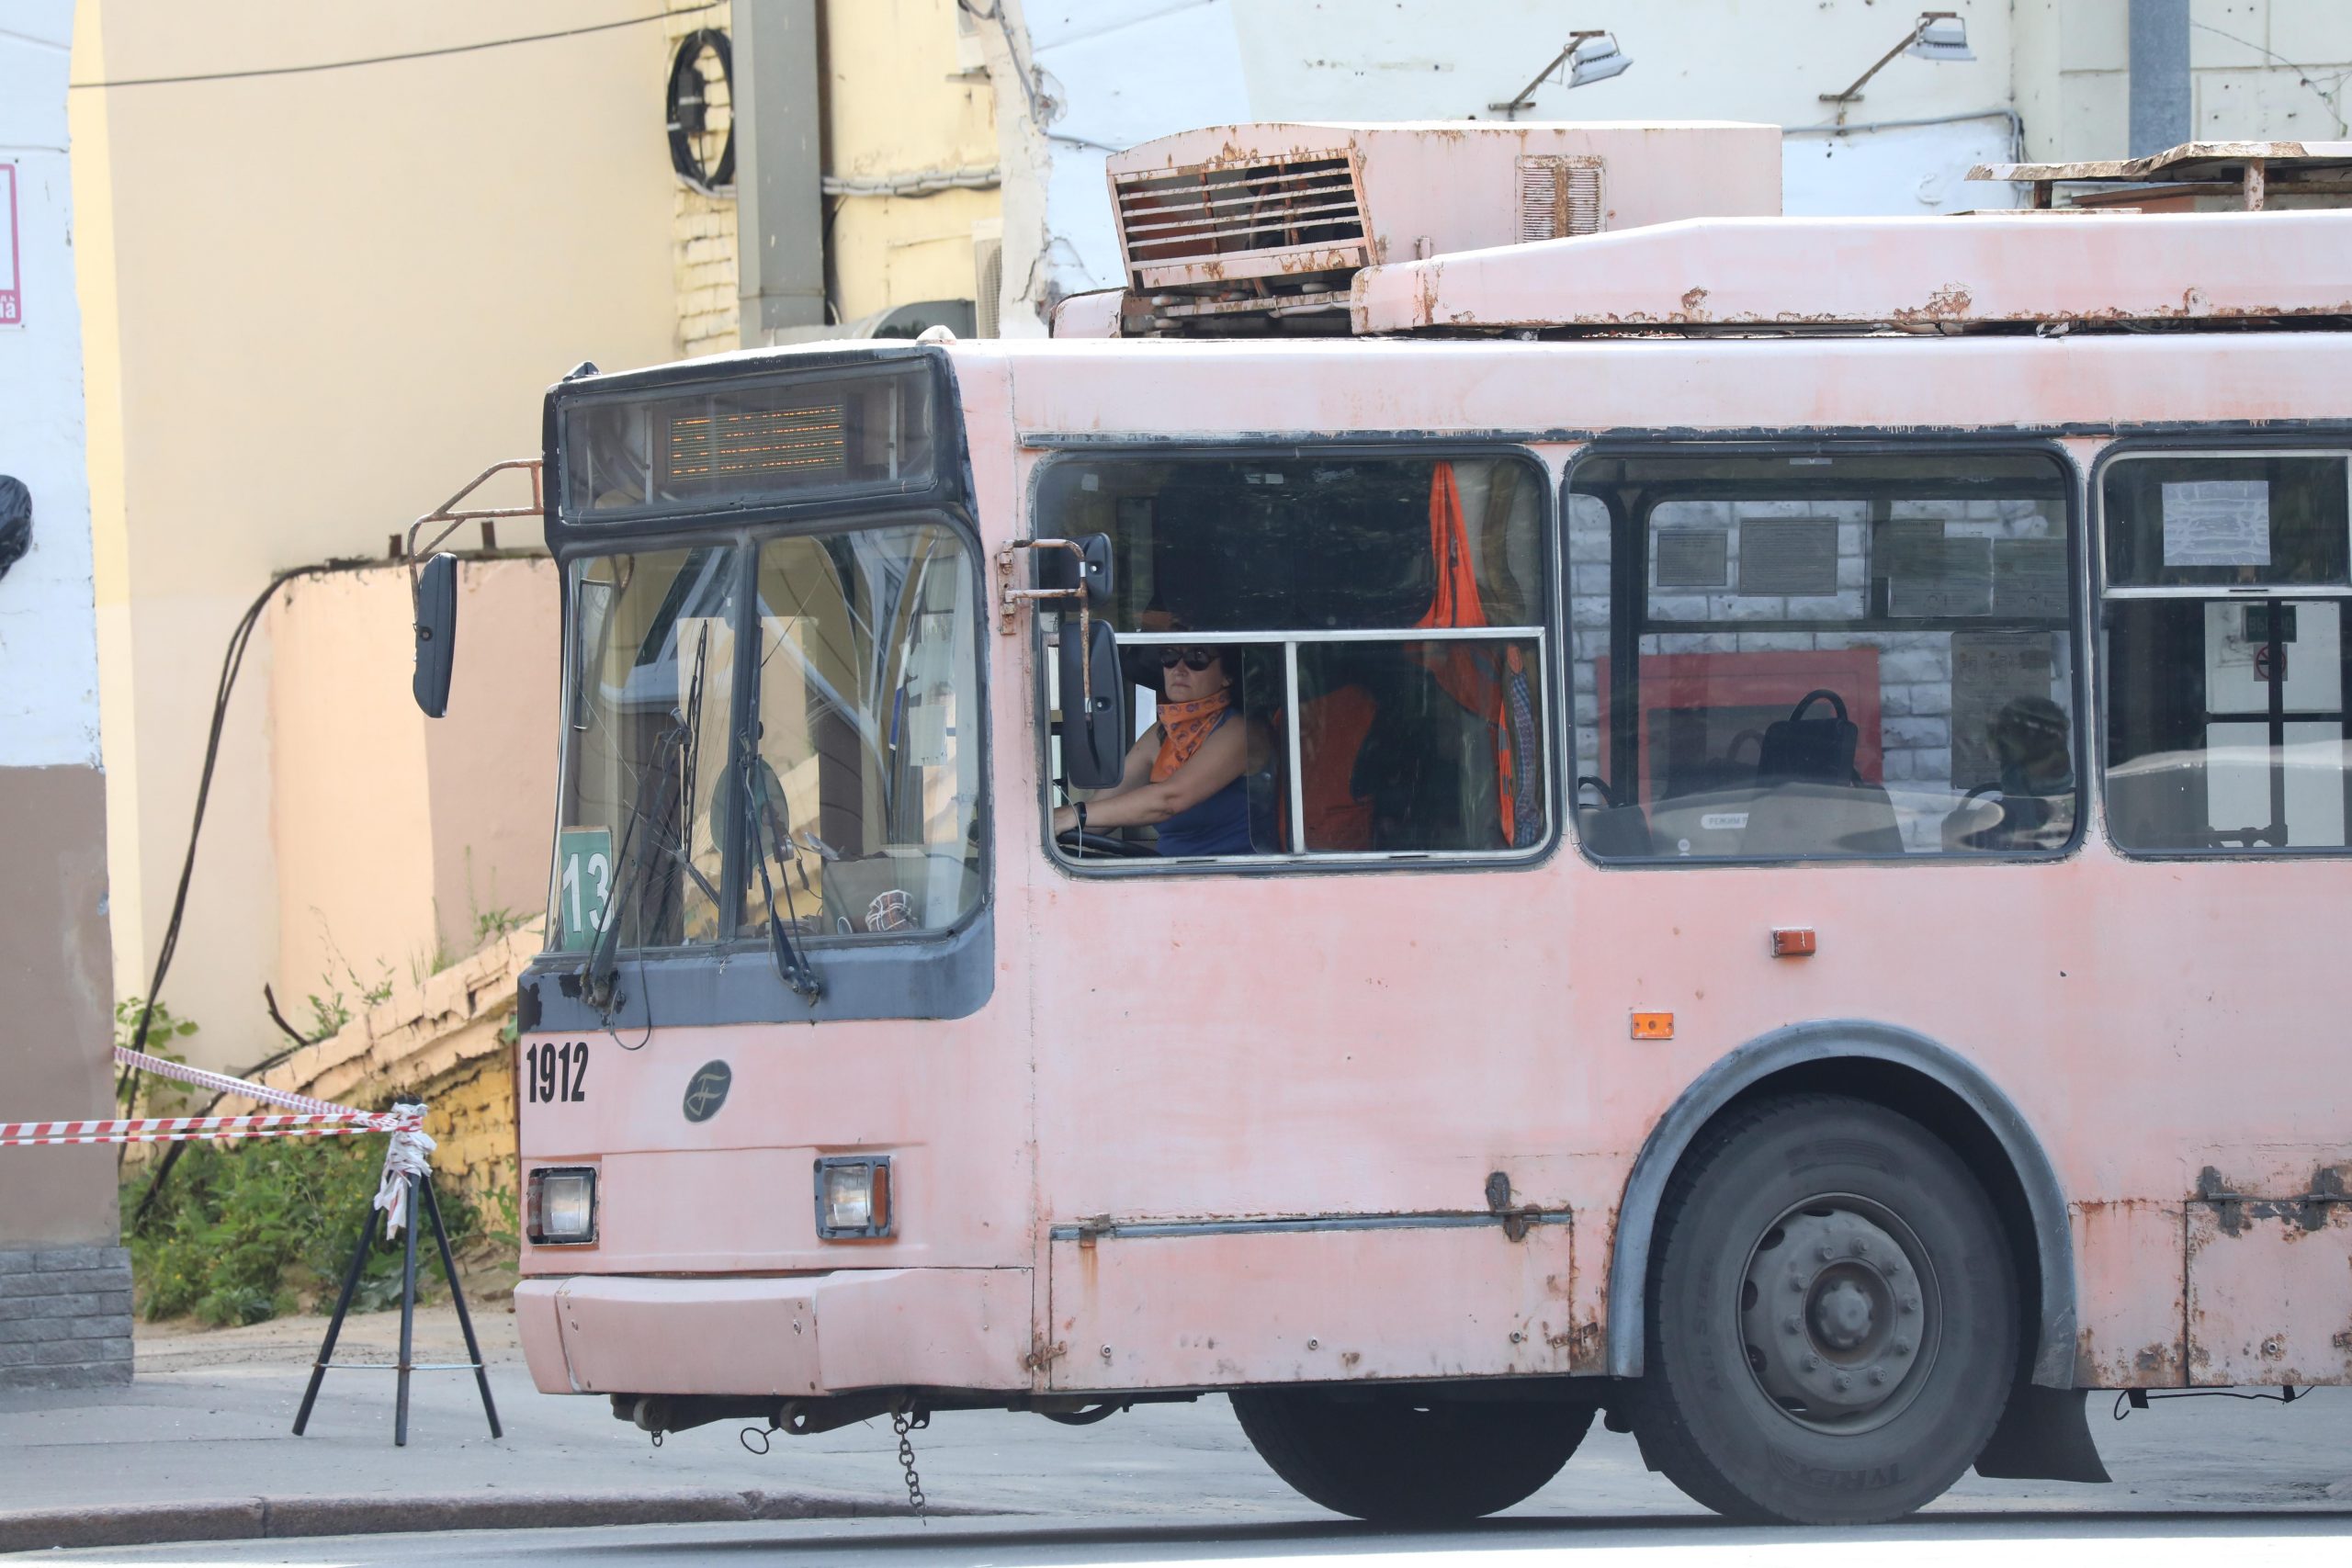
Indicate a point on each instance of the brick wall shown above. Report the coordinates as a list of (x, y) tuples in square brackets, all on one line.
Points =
[(702, 228), (443, 1041), (64, 1316)]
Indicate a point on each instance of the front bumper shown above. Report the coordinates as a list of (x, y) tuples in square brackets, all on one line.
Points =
[(792, 1335)]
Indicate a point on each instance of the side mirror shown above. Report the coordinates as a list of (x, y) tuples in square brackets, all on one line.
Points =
[(1093, 727), (437, 633)]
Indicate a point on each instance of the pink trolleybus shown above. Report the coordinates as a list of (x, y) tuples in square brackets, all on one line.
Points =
[(1508, 790)]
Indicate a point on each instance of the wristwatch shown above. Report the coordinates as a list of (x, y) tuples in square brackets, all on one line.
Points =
[(1081, 816)]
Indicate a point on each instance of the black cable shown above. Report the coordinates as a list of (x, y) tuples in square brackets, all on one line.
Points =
[(231, 662), (2132, 1399), (388, 59)]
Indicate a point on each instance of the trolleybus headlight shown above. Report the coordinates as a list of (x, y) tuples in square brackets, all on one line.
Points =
[(563, 1206), (852, 1196)]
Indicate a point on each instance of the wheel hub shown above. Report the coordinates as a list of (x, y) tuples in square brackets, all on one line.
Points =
[(1838, 1314)]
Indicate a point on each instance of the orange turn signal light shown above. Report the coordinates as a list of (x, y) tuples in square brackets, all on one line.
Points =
[(1793, 941), (1653, 1026)]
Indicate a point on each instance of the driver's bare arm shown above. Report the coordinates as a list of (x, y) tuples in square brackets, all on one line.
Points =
[(1133, 774), (1217, 763)]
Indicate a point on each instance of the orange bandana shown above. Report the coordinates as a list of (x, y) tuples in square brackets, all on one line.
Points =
[(1184, 729)]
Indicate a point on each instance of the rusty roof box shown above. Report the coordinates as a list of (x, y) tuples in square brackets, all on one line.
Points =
[(1272, 220), (2193, 176)]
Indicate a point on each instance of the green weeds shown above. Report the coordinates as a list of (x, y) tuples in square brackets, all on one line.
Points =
[(250, 1231)]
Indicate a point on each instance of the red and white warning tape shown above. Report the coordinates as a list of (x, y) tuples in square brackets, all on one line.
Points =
[(309, 1119)]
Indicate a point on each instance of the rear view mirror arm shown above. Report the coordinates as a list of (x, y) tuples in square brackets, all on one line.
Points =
[(453, 517)]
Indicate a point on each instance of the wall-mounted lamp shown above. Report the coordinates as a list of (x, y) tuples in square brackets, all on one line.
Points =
[(1590, 56), (1936, 35)]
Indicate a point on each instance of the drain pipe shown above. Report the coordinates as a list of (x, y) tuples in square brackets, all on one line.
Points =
[(779, 174), (2160, 89)]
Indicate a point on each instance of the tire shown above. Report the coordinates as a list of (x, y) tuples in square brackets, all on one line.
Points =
[(1395, 1459), (1854, 1407)]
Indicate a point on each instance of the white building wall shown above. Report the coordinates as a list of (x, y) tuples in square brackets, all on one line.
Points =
[(2049, 80), (64, 1282), (49, 645), (1108, 73)]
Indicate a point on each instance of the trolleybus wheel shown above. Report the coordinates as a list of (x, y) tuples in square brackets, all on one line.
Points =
[(1392, 1458), (1832, 1316)]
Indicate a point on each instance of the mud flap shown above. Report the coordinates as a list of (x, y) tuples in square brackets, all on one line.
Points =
[(2044, 1435)]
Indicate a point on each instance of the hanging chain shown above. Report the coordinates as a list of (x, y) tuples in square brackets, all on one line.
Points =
[(901, 1425)]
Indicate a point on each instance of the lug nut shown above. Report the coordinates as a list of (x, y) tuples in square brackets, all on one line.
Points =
[(1861, 1247), (1811, 1364), (1903, 1346), (1910, 1304), (1792, 1325), (1878, 1374), (1845, 1379), (1796, 1280), (1826, 1252)]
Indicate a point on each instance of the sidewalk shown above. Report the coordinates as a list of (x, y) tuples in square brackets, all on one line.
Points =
[(200, 1447)]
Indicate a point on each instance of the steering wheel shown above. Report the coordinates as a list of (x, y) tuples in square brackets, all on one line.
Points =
[(1082, 844), (1608, 797)]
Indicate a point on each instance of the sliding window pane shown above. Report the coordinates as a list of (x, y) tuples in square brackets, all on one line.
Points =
[(1425, 747)]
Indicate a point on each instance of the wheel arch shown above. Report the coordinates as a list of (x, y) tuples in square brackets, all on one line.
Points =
[(1910, 1073)]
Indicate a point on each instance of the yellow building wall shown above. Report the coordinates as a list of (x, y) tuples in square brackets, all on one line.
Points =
[(899, 100), (318, 303), (702, 225), (901, 97)]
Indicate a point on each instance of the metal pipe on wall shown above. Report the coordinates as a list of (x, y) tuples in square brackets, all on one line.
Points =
[(2161, 109), (779, 178)]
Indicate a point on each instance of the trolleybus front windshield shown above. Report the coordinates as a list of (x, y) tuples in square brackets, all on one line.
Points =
[(802, 706)]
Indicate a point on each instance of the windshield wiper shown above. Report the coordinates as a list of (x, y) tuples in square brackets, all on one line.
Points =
[(791, 967), (604, 963)]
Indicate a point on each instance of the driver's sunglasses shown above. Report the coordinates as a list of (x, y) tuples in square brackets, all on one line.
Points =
[(1194, 659)]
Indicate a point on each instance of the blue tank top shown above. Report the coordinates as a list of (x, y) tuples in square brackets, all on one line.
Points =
[(1217, 826)]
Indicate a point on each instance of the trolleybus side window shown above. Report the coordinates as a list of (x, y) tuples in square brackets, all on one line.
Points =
[(1386, 616), (2227, 579), (1815, 655)]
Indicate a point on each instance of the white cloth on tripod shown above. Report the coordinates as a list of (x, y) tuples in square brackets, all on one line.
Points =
[(405, 1158)]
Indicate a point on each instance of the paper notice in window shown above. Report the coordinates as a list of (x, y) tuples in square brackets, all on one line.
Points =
[(2030, 578), (2218, 522)]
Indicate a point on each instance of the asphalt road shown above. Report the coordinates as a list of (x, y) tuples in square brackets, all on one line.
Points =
[(2232, 1481), (1528, 1540)]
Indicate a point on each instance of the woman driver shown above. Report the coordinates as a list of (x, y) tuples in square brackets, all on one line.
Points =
[(1187, 774)]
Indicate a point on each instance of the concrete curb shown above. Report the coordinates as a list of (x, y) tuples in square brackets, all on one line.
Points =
[(253, 1518)]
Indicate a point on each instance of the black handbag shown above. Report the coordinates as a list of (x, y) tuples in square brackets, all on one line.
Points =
[(1798, 750)]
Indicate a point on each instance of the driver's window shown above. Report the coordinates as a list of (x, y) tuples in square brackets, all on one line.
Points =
[(1357, 645), (1811, 656)]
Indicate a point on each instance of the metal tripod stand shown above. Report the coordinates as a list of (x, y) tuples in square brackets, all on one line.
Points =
[(419, 1187)]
